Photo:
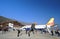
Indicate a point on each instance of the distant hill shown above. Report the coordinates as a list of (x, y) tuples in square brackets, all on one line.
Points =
[(3, 19)]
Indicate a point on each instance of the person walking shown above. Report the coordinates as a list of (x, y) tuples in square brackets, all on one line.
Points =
[(18, 33), (32, 29)]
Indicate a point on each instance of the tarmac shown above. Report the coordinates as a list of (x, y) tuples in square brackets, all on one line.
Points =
[(23, 35)]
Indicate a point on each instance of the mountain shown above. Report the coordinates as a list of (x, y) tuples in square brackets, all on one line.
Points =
[(4, 19)]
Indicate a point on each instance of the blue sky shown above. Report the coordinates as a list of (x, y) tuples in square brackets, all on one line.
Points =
[(39, 11)]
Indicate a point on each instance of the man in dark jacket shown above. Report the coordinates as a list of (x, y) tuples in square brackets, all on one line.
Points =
[(32, 29), (18, 33)]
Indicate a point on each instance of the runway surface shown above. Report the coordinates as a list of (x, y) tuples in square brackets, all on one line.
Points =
[(38, 35)]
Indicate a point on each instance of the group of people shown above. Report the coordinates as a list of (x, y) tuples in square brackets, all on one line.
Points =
[(56, 32), (33, 29)]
